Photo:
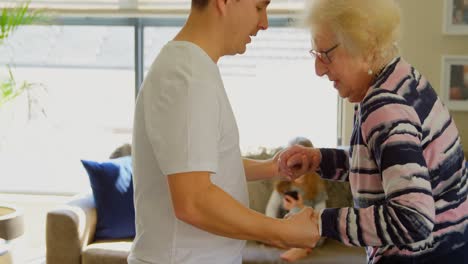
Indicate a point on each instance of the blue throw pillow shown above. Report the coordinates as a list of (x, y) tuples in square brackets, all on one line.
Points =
[(112, 186)]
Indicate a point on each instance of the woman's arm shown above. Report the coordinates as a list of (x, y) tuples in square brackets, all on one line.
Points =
[(406, 211), (334, 164)]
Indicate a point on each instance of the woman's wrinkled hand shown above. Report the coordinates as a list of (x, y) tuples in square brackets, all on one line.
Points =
[(297, 160)]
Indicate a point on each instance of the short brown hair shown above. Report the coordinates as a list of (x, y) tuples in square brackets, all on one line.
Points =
[(199, 4)]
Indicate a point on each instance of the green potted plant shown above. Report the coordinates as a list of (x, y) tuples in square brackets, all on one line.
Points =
[(10, 20), (13, 115)]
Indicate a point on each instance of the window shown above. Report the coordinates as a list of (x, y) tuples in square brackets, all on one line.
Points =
[(88, 98), (87, 66), (275, 93), (273, 89)]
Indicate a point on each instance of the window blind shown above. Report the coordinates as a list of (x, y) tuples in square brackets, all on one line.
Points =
[(134, 7)]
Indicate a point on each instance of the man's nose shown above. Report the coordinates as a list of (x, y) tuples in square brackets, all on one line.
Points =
[(263, 23)]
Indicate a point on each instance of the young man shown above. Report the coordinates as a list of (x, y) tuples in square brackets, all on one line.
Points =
[(189, 178)]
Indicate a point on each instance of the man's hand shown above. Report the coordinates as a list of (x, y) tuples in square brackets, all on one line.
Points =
[(303, 229), (298, 160)]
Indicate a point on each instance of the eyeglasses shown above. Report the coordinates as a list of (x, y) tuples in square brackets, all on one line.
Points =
[(323, 55)]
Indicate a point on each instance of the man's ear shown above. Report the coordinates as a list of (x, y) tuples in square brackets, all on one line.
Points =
[(221, 6)]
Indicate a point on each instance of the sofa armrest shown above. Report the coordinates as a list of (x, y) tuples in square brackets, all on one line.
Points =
[(69, 228)]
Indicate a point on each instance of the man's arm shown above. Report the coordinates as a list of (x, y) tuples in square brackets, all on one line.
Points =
[(197, 201), (260, 169)]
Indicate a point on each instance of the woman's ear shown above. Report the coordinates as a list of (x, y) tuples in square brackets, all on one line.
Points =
[(373, 56), (369, 61)]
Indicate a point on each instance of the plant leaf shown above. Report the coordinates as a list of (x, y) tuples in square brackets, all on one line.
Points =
[(12, 18)]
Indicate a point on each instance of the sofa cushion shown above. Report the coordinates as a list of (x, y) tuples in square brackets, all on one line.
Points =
[(107, 252), (111, 182)]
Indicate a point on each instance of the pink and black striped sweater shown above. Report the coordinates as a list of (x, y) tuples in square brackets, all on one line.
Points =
[(407, 173)]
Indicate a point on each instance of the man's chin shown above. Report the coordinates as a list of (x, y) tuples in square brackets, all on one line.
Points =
[(243, 49), (240, 51)]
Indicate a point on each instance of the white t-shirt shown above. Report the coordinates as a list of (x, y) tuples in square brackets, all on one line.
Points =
[(183, 123)]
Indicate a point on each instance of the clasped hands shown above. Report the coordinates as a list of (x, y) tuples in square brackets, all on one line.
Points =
[(302, 227), (296, 161)]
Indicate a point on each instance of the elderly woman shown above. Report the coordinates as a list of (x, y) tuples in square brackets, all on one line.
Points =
[(405, 161)]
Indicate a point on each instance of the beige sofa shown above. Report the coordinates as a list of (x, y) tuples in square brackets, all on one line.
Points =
[(70, 236), (70, 231), (71, 227)]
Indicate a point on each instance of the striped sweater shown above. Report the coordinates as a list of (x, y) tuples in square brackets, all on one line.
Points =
[(407, 173)]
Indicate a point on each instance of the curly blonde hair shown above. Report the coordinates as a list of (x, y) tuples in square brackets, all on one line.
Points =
[(364, 27)]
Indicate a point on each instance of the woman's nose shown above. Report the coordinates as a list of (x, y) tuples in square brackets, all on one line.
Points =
[(320, 67)]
